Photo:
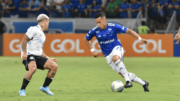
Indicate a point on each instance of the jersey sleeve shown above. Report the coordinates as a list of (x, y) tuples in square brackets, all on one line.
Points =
[(31, 32), (90, 34), (120, 29)]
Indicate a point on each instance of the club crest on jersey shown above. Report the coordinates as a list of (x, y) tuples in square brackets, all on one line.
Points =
[(123, 28), (99, 36), (97, 31)]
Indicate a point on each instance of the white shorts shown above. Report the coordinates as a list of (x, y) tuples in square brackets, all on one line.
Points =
[(118, 50)]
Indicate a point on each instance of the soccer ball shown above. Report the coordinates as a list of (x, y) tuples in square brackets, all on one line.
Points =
[(117, 86)]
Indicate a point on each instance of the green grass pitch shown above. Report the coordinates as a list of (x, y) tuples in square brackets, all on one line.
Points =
[(89, 79)]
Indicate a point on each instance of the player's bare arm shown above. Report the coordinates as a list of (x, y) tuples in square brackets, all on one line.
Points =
[(134, 34), (177, 37), (95, 54), (24, 43)]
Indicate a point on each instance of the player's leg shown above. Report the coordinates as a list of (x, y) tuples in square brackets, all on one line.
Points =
[(134, 78), (122, 70), (114, 59), (52, 66), (32, 68)]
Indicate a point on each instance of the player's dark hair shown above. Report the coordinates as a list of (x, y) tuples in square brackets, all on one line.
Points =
[(100, 14), (143, 23)]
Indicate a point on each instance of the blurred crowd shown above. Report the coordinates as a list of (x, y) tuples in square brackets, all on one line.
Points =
[(157, 10)]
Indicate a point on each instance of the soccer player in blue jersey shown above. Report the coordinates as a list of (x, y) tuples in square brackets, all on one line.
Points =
[(106, 34)]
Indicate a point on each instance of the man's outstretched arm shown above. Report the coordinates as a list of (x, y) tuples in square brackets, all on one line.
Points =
[(134, 34)]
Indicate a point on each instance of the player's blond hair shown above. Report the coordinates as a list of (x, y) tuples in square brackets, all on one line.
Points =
[(42, 17)]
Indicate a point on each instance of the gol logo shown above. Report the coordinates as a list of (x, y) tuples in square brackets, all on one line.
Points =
[(17, 48), (157, 46), (63, 46)]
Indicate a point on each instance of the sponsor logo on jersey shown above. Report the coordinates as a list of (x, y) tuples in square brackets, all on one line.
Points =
[(109, 29), (97, 31), (99, 36), (107, 42)]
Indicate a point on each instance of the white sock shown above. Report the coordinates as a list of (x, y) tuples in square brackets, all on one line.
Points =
[(122, 69), (134, 78)]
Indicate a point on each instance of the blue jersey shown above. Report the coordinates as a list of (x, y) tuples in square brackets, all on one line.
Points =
[(33, 7), (67, 13), (135, 6), (16, 4), (23, 14), (124, 13), (54, 14), (81, 7), (165, 8), (153, 12), (13, 12), (75, 3), (99, 2), (94, 13), (107, 38), (174, 10), (162, 2), (89, 2)]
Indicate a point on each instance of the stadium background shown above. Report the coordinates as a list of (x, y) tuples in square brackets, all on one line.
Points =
[(66, 28), (80, 77)]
